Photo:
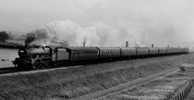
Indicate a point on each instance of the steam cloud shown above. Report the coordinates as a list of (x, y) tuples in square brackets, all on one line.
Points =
[(98, 34), (101, 34)]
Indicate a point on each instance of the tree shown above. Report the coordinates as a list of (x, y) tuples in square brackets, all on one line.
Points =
[(3, 36)]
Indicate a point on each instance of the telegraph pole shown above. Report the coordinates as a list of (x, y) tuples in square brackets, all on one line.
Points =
[(126, 44), (84, 42)]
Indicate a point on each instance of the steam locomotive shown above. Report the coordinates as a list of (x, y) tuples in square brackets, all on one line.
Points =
[(47, 56)]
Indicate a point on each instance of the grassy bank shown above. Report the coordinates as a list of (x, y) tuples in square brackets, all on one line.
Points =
[(71, 83)]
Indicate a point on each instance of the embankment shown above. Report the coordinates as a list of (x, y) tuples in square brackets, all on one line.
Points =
[(74, 82)]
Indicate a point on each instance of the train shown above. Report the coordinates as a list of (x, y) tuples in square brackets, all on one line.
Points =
[(47, 56)]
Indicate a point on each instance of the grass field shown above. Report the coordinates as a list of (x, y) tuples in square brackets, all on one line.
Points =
[(75, 82)]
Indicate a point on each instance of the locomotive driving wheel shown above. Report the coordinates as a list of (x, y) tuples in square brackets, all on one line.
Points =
[(38, 65)]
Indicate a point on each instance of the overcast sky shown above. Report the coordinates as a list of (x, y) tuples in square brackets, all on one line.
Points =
[(176, 16), (28, 14)]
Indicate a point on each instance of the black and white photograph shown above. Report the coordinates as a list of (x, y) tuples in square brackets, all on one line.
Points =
[(96, 49)]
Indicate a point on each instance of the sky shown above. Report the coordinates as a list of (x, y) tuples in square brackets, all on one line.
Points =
[(134, 20)]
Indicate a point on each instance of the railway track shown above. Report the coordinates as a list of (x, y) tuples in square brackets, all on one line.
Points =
[(129, 85), (8, 70), (12, 69)]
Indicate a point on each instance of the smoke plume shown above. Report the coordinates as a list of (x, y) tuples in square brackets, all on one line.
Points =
[(96, 34)]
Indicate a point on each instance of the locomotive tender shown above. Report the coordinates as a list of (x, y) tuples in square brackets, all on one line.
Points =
[(45, 56)]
